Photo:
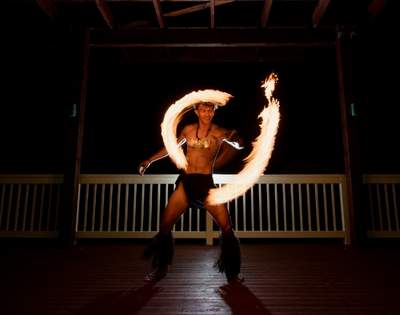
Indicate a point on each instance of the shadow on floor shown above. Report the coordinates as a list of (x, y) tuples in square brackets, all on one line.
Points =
[(241, 300), (122, 302)]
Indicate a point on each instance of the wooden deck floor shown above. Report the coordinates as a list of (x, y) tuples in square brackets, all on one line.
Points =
[(280, 278)]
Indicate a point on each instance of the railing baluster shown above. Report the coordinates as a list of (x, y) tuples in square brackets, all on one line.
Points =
[(110, 199), (9, 206), (325, 207), (301, 208), (17, 208), (49, 206), (259, 207), (126, 207), (333, 207), (24, 219), (33, 207), (198, 219), (134, 207), (118, 206), (40, 208), (378, 194), (292, 206), (395, 206), (85, 210), (142, 209), (308, 207), (276, 208), (389, 220), (244, 212), (150, 216), (317, 206), (284, 207), (94, 199), (103, 191), (190, 219), (236, 214), (252, 207), (158, 205), (268, 208)]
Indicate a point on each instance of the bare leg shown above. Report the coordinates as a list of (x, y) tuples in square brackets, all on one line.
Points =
[(161, 248), (221, 216), (229, 261), (177, 204)]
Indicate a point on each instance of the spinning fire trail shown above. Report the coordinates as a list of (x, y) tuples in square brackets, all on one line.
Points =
[(255, 163)]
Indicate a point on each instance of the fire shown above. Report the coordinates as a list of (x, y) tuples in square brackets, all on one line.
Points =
[(257, 160), (174, 115)]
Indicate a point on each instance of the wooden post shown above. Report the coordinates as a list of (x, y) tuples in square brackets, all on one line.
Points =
[(350, 135), (75, 127)]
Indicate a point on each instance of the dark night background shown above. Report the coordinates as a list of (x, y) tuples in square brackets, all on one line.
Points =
[(126, 101)]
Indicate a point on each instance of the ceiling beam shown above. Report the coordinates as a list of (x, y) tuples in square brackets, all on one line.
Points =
[(212, 13), (157, 8), (49, 7), (106, 13), (195, 8), (265, 12), (319, 12)]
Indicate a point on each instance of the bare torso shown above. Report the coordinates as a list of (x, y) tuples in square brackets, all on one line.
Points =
[(201, 151)]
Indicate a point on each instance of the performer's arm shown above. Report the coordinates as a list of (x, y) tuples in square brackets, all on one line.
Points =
[(157, 156), (230, 145)]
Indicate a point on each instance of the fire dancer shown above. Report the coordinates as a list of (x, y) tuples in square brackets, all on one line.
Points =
[(204, 150)]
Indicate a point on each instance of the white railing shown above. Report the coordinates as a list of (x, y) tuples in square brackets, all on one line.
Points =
[(130, 206), (29, 205), (277, 206), (382, 205)]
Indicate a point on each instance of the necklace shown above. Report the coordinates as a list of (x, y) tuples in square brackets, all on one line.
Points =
[(200, 143)]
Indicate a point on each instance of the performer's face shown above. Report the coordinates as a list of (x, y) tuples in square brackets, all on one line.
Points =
[(205, 112)]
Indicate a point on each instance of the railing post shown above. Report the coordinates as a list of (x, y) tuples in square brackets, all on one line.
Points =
[(75, 127), (344, 205)]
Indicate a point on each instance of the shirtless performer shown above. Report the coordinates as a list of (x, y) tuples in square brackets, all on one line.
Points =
[(204, 140)]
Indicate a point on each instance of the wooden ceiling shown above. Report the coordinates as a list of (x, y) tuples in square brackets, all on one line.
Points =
[(164, 14)]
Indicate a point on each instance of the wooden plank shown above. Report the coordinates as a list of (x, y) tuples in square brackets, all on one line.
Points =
[(319, 12), (106, 13), (212, 13), (157, 8), (196, 8), (265, 12)]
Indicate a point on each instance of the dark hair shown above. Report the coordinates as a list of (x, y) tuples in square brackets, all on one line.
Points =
[(206, 104)]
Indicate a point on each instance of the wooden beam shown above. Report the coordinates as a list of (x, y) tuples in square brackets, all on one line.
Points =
[(105, 13), (197, 7), (355, 219), (319, 12), (212, 13), (157, 8), (75, 127), (265, 12), (48, 6)]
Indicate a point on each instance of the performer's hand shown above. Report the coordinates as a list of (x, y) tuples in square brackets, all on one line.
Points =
[(143, 167)]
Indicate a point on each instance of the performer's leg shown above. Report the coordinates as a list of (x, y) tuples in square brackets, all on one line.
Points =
[(177, 204), (229, 260), (161, 248)]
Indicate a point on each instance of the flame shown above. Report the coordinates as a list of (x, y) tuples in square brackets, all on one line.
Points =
[(257, 160), (174, 115)]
